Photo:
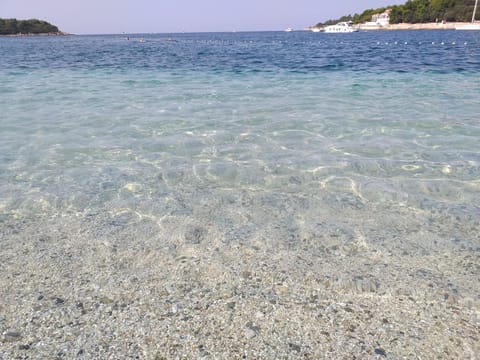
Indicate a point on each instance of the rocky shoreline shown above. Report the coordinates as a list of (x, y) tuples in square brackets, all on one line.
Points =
[(60, 33)]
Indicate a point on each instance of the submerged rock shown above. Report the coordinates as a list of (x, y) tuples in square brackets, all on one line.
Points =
[(12, 335), (194, 234)]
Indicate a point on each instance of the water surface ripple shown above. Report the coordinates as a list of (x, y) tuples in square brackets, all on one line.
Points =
[(260, 135)]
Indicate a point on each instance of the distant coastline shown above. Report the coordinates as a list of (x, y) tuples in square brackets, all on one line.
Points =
[(31, 27), (59, 33), (413, 15), (421, 26)]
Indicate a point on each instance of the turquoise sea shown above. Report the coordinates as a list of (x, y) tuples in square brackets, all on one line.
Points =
[(357, 146), (374, 122)]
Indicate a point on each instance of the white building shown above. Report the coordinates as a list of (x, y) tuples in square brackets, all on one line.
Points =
[(382, 19)]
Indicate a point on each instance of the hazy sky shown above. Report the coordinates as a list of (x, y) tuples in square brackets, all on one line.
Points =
[(134, 16)]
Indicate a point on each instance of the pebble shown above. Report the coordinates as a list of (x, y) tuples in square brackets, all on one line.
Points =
[(226, 293), (281, 290), (380, 351), (259, 315), (59, 301), (251, 330), (12, 335), (249, 333), (194, 234), (295, 347), (106, 300), (246, 274), (231, 305)]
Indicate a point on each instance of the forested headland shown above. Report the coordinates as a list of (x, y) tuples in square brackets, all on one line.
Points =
[(418, 11), (25, 27)]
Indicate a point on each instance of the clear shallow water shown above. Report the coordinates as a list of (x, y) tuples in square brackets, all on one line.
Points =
[(277, 195), (275, 136)]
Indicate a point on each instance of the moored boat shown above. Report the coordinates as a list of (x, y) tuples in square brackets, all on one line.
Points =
[(341, 27)]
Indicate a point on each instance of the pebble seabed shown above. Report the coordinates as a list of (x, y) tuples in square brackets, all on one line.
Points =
[(178, 288)]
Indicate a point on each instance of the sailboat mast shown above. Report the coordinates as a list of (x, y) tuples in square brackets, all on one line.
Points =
[(474, 11)]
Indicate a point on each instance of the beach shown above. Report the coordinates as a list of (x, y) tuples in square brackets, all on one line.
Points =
[(421, 26), (240, 196)]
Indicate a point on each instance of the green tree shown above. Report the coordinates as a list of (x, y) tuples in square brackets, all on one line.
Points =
[(420, 11), (32, 26)]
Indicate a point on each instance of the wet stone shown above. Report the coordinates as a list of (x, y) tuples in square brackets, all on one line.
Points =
[(281, 290), (380, 351), (231, 305), (295, 180), (251, 330), (249, 333), (226, 293), (203, 351), (12, 335), (59, 301), (106, 300), (194, 234), (294, 347), (246, 274)]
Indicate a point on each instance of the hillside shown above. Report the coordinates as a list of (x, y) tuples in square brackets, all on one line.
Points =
[(417, 11), (32, 26)]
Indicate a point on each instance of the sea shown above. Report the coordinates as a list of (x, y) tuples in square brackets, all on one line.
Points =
[(297, 141)]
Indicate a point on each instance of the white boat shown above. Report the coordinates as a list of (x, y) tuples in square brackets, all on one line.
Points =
[(472, 25), (288, 30), (315, 29), (341, 27)]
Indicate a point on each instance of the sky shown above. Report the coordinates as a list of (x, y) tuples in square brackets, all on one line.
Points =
[(163, 16)]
